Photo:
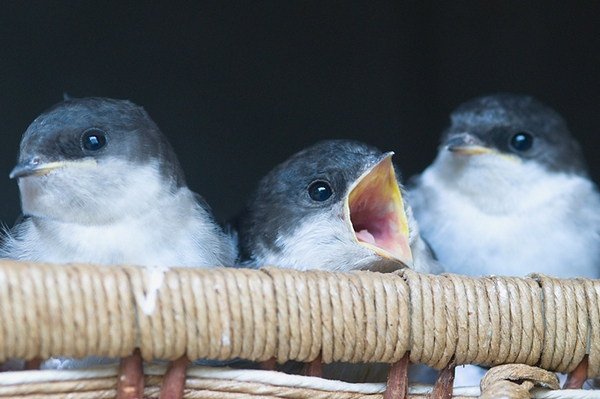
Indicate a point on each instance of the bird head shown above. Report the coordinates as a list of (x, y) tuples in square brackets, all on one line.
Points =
[(336, 205), (93, 160)]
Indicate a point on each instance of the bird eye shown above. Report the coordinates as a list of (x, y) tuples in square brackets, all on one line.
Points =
[(319, 191), (93, 139), (521, 141)]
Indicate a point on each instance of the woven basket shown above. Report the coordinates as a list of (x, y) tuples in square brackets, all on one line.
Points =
[(84, 310)]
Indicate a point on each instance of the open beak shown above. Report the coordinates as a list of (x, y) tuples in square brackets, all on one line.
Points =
[(36, 167), (465, 144), (375, 212)]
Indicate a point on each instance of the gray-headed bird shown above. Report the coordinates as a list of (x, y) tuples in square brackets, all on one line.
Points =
[(509, 194), (337, 206), (100, 184)]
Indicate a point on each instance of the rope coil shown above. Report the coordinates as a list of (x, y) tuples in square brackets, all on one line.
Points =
[(202, 382), (85, 310)]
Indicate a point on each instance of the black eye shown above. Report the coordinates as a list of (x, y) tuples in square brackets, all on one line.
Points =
[(521, 141), (93, 139), (319, 191)]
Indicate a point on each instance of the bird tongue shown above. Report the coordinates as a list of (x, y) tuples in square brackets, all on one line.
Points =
[(375, 211), (365, 236)]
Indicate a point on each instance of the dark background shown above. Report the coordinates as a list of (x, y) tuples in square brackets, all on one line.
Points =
[(237, 87)]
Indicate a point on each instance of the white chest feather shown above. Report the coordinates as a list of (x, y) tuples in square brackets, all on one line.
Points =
[(155, 239), (133, 221), (520, 221), (319, 242), (325, 242)]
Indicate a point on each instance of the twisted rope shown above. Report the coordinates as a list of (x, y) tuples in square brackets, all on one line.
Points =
[(98, 383), (84, 310)]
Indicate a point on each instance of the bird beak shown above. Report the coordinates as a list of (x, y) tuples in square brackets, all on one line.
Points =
[(36, 167), (465, 144), (375, 212)]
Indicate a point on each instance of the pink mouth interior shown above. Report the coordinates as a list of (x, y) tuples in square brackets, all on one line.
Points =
[(376, 213), (372, 220)]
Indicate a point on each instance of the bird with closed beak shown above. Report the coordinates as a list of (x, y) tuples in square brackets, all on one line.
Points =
[(509, 193), (101, 184)]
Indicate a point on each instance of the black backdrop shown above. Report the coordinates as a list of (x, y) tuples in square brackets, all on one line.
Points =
[(239, 86)]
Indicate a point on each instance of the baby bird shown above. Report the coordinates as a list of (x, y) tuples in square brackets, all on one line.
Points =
[(509, 194), (100, 184), (337, 206)]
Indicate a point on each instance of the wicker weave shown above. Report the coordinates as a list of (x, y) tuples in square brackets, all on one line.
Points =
[(84, 310)]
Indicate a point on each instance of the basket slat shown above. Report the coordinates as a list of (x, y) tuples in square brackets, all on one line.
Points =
[(85, 310)]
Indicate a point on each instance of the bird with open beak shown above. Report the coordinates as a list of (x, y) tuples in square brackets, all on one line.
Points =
[(100, 184), (336, 206)]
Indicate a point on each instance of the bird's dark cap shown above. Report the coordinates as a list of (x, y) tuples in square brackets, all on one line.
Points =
[(56, 134)]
